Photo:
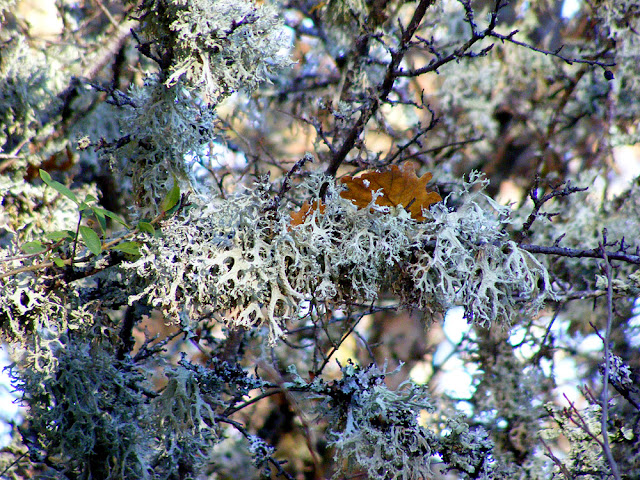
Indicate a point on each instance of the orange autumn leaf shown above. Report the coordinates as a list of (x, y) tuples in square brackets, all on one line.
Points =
[(299, 217), (399, 185)]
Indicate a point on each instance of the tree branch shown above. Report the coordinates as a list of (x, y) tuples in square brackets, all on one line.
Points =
[(384, 89), (607, 360), (575, 253)]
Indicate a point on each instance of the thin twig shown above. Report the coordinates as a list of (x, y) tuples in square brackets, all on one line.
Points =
[(556, 53), (557, 461), (335, 347), (575, 253), (238, 426), (231, 410), (286, 183), (607, 354), (539, 202)]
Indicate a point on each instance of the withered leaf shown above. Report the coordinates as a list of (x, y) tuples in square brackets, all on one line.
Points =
[(399, 185), (299, 217)]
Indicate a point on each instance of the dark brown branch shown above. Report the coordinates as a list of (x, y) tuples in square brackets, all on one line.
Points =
[(607, 360), (556, 53), (373, 103), (575, 253)]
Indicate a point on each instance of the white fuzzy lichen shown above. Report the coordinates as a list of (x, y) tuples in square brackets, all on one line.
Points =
[(217, 46), (246, 265), (474, 264)]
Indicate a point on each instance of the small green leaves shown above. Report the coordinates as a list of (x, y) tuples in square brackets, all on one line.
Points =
[(37, 246), (91, 239), (131, 248), (86, 208), (57, 186), (146, 227), (98, 211), (172, 198), (32, 248), (86, 205), (58, 235), (58, 261)]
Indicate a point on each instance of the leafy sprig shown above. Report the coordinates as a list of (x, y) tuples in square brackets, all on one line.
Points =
[(96, 244)]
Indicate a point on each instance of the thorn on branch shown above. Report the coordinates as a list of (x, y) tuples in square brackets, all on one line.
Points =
[(557, 241)]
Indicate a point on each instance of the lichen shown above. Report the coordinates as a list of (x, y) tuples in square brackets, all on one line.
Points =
[(237, 258), (27, 80), (88, 412), (217, 46), (474, 264), (377, 429), (167, 126)]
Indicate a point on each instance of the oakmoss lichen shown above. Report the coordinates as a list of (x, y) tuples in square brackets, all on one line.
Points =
[(240, 260)]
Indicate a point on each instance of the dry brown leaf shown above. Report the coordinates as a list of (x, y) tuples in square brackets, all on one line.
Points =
[(400, 186), (299, 217)]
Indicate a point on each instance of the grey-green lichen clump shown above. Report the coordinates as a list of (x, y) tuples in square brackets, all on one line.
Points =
[(166, 126), (27, 106), (216, 46), (247, 264), (381, 430), (473, 262), (82, 411), (375, 428), (206, 50)]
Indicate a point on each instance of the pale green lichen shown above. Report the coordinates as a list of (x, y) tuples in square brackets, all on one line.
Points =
[(620, 21), (240, 260), (474, 264), (582, 429), (30, 311), (209, 49), (467, 450), (377, 429), (168, 126), (217, 46), (28, 82), (184, 421)]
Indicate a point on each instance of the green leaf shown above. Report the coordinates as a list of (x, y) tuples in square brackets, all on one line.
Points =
[(58, 235), (58, 261), (57, 186), (132, 248), (109, 214), (172, 198), (146, 227), (91, 239), (33, 247), (101, 219), (90, 199)]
